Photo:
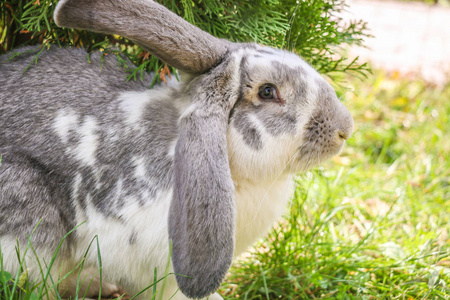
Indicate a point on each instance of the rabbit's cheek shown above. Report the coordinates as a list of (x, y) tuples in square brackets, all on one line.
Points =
[(267, 162), (277, 121), (249, 128)]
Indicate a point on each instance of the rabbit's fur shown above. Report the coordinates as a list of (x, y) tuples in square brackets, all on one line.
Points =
[(205, 163)]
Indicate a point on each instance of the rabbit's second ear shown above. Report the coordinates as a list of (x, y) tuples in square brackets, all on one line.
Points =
[(151, 25), (203, 212)]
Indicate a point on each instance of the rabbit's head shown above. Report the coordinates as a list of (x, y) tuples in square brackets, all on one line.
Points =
[(255, 112), (287, 118)]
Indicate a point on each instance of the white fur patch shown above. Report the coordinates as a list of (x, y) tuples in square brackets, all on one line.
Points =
[(172, 147), (133, 104), (80, 214), (257, 123), (85, 150), (65, 121), (139, 168), (131, 247), (260, 204), (113, 134), (119, 192), (87, 134), (76, 185)]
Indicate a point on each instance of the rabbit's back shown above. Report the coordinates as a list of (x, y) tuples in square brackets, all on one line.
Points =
[(76, 136), (34, 93)]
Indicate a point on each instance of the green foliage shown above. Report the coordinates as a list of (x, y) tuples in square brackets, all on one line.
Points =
[(375, 222), (316, 30), (24, 290), (310, 28)]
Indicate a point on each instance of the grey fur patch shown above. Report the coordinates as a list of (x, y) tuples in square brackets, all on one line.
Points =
[(250, 134), (279, 122)]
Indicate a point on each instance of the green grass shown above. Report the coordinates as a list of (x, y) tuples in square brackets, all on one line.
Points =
[(374, 222), (371, 224)]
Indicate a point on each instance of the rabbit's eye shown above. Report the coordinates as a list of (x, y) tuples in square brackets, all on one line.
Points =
[(267, 92)]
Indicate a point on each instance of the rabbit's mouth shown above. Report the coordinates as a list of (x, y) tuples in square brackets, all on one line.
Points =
[(315, 152)]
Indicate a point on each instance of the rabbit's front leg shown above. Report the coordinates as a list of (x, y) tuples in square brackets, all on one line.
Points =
[(88, 282)]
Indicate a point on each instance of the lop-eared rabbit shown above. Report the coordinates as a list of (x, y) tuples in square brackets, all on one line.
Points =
[(203, 166)]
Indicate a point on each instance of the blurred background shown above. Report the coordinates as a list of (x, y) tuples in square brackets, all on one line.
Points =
[(409, 37)]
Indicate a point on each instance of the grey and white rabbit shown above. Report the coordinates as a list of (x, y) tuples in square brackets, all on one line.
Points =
[(206, 163)]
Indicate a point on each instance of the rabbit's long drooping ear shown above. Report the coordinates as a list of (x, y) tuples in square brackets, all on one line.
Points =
[(151, 25), (202, 214)]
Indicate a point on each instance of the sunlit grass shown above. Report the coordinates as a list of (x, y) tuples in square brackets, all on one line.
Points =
[(374, 222)]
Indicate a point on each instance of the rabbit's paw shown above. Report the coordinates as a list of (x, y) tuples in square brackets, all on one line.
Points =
[(112, 291), (121, 294), (109, 291)]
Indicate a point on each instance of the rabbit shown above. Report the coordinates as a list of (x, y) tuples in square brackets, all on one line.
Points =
[(182, 177)]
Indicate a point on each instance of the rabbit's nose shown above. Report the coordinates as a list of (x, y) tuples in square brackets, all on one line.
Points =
[(343, 135), (344, 126)]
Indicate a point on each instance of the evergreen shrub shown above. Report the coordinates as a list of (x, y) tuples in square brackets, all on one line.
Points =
[(313, 29)]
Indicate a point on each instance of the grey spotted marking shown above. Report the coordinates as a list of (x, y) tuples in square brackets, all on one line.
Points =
[(251, 135), (133, 238)]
